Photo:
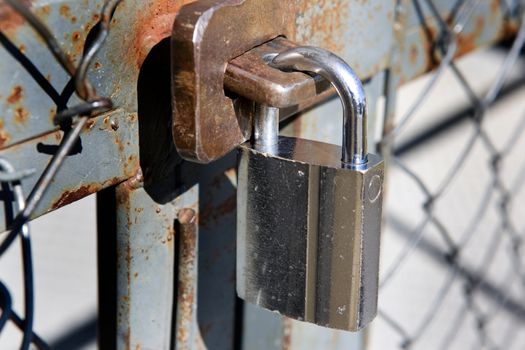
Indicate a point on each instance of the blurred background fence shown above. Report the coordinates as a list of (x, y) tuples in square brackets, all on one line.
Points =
[(452, 270)]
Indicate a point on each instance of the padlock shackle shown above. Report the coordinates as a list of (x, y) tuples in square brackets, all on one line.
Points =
[(348, 87)]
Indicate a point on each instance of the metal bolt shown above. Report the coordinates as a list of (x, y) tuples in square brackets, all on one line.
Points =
[(114, 124)]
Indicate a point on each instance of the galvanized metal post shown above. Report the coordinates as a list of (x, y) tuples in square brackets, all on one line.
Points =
[(145, 269)]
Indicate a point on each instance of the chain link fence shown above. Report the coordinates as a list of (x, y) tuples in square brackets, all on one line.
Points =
[(452, 274)]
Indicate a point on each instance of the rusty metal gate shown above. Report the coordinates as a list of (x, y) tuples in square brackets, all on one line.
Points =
[(86, 107)]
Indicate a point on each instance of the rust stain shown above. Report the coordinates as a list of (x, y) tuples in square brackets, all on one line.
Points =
[(45, 10), (509, 29), (127, 338), (124, 201), (10, 20), (119, 144), (64, 10), (132, 166), (68, 197), (170, 231), (132, 117), (287, 333), (123, 196), (90, 124), (21, 115), (78, 43), (70, 57), (154, 24), (427, 39), (75, 36), (494, 6), (413, 54), (87, 27), (135, 181), (131, 162), (467, 42), (322, 23), (16, 95), (186, 280), (128, 261), (4, 136), (52, 113), (97, 65)]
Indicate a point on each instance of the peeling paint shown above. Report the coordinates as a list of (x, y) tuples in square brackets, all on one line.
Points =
[(16, 95)]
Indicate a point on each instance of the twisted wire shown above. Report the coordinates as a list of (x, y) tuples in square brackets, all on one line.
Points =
[(91, 106)]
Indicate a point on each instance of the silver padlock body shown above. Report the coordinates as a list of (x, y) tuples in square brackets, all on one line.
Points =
[(308, 233)]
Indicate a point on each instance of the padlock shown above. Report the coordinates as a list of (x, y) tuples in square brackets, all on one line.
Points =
[(309, 213)]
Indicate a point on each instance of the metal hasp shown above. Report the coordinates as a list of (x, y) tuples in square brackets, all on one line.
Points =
[(250, 76), (204, 39), (309, 213)]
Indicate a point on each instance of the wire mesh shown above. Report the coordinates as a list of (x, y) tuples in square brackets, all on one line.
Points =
[(72, 119), (465, 296)]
